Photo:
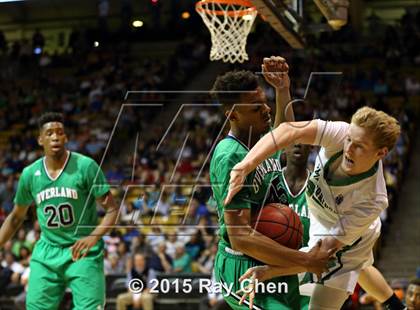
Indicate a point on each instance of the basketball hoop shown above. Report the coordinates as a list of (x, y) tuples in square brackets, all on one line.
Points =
[(229, 23)]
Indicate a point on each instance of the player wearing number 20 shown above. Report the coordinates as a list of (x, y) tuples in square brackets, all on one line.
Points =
[(64, 186)]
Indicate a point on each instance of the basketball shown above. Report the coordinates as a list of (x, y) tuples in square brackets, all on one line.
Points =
[(280, 223)]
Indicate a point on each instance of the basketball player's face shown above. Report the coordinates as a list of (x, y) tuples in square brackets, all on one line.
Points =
[(253, 113), (360, 152), (297, 154), (53, 139), (412, 297)]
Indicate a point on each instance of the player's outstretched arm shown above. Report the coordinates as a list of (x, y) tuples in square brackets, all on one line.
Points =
[(82, 246), (275, 71), (287, 133), (329, 243), (252, 243), (12, 223)]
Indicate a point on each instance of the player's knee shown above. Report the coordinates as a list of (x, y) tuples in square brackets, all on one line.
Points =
[(327, 298)]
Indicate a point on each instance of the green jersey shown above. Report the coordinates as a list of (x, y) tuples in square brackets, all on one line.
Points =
[(298, 203), (65, 202), (260, 187)]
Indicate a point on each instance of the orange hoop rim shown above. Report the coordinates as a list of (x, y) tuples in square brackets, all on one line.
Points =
[(251, 8)]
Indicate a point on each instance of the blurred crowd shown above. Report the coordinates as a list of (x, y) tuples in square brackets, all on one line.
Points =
[(89, 88)]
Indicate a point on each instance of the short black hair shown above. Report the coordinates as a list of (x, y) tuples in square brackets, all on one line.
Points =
[(49, 117), (236, 81)]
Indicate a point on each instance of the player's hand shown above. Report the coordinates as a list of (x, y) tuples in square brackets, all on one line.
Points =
[(319, 258), (237, 179), (81, 248), (255, 275), (275, 71)]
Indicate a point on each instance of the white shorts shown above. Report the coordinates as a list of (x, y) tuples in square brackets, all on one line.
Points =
[(344, 271)]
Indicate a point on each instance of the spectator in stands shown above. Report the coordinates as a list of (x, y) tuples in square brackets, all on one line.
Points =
[(177, 197), (182, 261), (33, 235), (7, 193), (163, 205), (412, 296), (113, 265), (214, 299), (160, 261), (24, 256), (5, 278), (3, 43), (114, 174), (112, 241), (2, 214), (11, 263), (205, 262), (195, 212), (131, 231), (38, 39), (132, 212), (138, 270), (171, 243), (14, 266), (412, 85), (206, 227), (155, 237), (21, 298), (123, 253), (147, 202), (397, 285), (185, 232), (140, 245), (195, 246), (103, 11), (20, 242)]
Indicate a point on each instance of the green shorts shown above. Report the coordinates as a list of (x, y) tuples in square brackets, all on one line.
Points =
[(52, 270), (304, 302), (229, 266)]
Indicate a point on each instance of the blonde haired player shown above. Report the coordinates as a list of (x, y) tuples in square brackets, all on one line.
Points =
[(345, 194)]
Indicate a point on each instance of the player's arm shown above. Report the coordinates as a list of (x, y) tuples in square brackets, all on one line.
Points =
[(285, 134), (167, 266), (275, 71), (107, 202), (184, 264), (82, 246), (12, 223), (331, 243), (245, 239), (284, 108)]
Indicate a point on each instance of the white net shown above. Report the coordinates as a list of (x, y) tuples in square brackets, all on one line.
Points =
[(229, 23)]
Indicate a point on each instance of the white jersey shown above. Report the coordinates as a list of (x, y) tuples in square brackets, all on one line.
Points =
[(347, 209)]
